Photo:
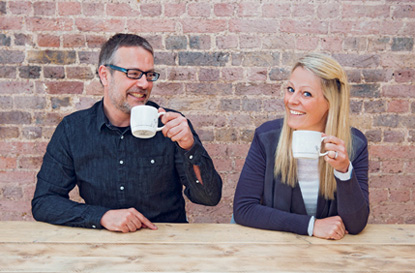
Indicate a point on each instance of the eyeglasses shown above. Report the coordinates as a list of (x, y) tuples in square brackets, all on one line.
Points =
[(136, 74)]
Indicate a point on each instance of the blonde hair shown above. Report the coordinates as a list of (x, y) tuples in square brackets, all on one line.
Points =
[(336, 91)]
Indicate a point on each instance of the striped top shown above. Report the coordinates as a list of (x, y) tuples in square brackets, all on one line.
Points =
[(308, 179)]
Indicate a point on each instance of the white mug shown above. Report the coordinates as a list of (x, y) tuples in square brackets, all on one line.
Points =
[(307, 144), (144, 121)]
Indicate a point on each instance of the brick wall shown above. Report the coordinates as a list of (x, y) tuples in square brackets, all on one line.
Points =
[(222, 65)]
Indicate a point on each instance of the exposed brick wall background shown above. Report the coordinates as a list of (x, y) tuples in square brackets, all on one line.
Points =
[(223, 64)]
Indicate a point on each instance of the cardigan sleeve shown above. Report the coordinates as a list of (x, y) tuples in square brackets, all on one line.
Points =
[(248, 207), (353, 194)]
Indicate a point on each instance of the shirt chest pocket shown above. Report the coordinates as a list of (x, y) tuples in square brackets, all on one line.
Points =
[(153, 174)]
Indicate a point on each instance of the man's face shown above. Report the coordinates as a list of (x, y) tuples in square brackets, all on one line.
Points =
[(125, 93)]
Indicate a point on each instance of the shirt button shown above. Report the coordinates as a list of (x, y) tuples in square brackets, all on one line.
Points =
[(197, 181), (94, 226), (122, 188), (122, 137), (121, 162), (191, 157), (153, 161)]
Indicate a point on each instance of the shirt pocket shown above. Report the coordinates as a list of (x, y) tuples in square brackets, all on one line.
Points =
[(156, 175)]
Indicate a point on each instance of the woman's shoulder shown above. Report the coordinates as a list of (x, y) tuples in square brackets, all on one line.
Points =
[(358, 137), (270, 126)]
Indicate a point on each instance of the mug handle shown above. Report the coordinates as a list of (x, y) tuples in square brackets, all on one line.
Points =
[(323, 154), (159, 115)]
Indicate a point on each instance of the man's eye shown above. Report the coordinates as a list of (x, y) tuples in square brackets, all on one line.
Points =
[(134, 74), (150, 75)]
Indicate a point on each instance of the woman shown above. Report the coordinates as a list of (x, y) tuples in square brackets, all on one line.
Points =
[(326, 197)]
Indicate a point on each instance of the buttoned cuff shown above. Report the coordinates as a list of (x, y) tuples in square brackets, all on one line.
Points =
[(94, 216), (195, 153), (310, 228), (344, 176)]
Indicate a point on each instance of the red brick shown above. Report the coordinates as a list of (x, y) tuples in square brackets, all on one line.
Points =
[(10, 87), (44, 8), (69, 8), (30, 102), (26, 148), (257, 74), (304, 27), (66, 87), (174, 9), (202, 121), (94, 88), (408, 29), (302, 10), (378, 196), (399, 91), (250, 9), (47, 24), (392, 166), (307, 43), (180, 74), (199, 9), (95, 41), (208, 75), (398, 106), (150, 10), (80, 72), (276, 10), (331, 44), (249, 41), (404, 11), (166, 88), (20, 8), (252, 26), (86, 102), (11, 57), (8, 132), (328, 10), (122, 9), (203, 26), (281, 41), (74, 40), (405, 75), (361, 11), (93, 9), (224, 9), (30, 163), (49, 119), (8, 162), (12, 176), (151, 25), (400, 195), (32, 132), (374, 166), (48, 40), (383, 152), (255, 89), (227, 42), (232, 74), (10, 23), (99, 25), (353, 27)]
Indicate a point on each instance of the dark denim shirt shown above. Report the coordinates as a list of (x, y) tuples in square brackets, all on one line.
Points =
[(115, 170)]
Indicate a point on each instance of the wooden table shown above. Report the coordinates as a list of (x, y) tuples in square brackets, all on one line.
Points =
[(40, 247)]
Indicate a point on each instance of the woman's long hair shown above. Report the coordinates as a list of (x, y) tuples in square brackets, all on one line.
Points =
[(336, 90)]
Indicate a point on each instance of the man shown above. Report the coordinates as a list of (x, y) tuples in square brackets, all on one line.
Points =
[(127, 183)]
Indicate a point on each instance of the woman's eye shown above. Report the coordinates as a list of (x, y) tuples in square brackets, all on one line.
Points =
[(307, 94), (290, 89)]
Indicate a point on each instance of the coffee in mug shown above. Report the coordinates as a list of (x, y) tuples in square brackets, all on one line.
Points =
[(144, 121), (307, 144)]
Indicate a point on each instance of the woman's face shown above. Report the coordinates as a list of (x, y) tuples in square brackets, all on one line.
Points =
[(305, 105)]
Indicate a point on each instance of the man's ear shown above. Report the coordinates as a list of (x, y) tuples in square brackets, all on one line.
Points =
[(103, 73)]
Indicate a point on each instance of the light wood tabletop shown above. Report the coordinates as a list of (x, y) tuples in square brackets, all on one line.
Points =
[(40, 247)]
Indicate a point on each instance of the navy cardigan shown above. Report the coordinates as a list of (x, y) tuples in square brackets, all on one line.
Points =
[(262, 201)]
